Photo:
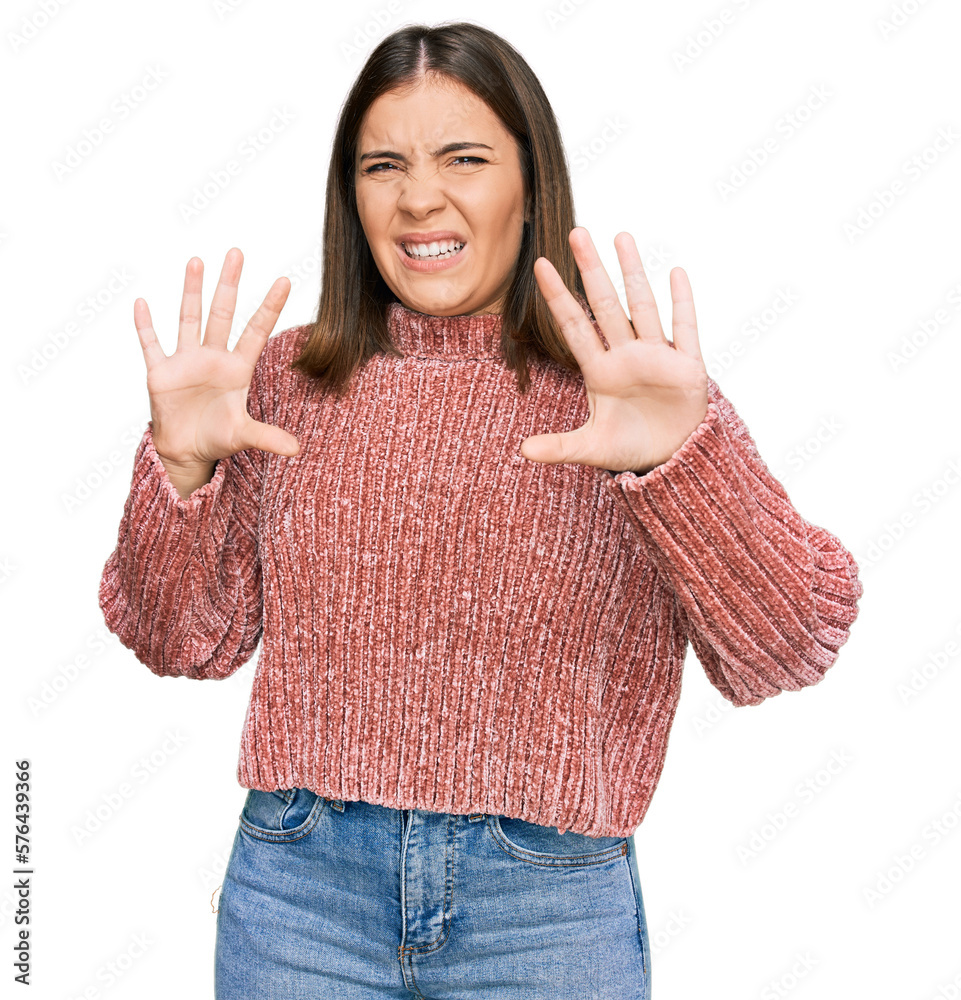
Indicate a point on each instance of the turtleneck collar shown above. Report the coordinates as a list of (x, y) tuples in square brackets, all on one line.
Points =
[(451, 338)]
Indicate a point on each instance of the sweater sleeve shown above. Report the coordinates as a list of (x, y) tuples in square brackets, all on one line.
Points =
[(182, 588), (767, 598)]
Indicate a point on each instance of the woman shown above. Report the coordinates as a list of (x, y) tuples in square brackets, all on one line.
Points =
[(476, 514)]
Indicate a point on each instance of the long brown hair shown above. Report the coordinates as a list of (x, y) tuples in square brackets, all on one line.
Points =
[(351, 322)]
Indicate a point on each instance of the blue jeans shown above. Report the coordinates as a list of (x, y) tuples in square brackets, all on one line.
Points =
[(330, 899)]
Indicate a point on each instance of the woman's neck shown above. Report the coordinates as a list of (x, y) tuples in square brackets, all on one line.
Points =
[(449, 337)]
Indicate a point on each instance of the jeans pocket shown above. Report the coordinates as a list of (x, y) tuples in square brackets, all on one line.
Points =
[(543, 845), (281, 815)]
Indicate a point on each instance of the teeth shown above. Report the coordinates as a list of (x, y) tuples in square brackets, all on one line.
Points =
[(442, 248)]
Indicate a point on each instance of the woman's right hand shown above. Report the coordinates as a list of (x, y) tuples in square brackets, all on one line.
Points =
[(198, 395)]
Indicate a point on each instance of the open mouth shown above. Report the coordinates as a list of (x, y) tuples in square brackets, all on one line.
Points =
[(433, 251)]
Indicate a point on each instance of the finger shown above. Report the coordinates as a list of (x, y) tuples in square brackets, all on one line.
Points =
[(256, 332), (551, 449), (640, 298), (576, 329), (269, 437), (684, 320), (600, 290), (152, 351), (224, 301), (190, 305)]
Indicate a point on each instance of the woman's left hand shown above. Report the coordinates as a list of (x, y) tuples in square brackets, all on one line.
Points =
[(645, 394)]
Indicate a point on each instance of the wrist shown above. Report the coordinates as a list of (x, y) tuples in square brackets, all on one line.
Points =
[(187, 477)]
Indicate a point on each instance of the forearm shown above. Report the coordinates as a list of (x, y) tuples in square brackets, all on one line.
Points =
[(768, 596), (182, 588)]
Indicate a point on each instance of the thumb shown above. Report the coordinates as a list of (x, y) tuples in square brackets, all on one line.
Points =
[(551, 449), (268, 437)]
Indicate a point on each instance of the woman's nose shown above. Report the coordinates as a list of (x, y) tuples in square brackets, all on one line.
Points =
[(421, 192)]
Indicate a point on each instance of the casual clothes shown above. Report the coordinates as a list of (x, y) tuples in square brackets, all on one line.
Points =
[(450, 627)]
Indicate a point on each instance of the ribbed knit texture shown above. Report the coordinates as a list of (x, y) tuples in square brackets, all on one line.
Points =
[(448, 626)]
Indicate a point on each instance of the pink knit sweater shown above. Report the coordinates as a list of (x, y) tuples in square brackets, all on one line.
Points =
[(448, 626)]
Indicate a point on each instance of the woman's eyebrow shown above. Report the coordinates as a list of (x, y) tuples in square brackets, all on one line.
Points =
[(451, 147)]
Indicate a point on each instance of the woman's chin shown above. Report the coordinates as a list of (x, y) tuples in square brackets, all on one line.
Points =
[(434, 305)]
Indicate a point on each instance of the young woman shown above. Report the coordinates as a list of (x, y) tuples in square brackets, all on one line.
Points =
[(476, 513)]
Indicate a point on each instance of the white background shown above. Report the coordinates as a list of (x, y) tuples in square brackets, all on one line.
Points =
[(860, 428)]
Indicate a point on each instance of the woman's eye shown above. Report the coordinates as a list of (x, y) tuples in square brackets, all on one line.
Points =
[(375, 168)]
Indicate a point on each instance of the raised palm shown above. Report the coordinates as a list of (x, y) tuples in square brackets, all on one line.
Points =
[(198, 395), (645, 394)]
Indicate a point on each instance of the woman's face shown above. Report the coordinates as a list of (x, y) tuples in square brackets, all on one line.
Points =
[(415, 191)]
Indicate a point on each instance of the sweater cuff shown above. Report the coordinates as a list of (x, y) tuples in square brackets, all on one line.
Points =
[(149, 471), (687, 452), (712, 519)]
